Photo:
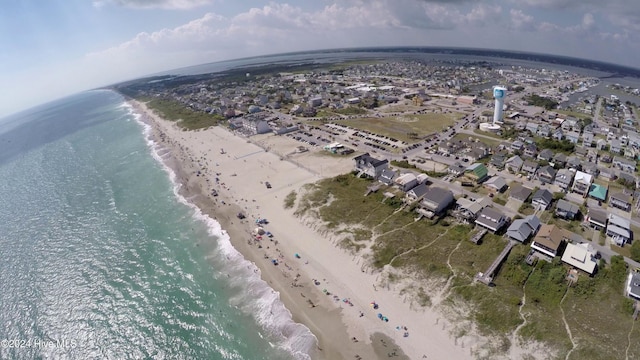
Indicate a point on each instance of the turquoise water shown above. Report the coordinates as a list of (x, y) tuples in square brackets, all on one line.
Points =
[(101, 259)]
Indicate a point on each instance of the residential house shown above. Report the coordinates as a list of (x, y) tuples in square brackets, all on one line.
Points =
[(542, 199), (517, 145), (546, 155), (520, 193), (598, 192), (605, 158), (572, 136), (621, 200), (570, 124), (615, 146), (548, 240), (601, 144), (560, 159), (476, 172), (254, 125), (581, 256), (582, 183), (496, 184), (530, 167), (456, 169), (406, 182), (532, 128), (607, 174), (587, 139), (597, 219), (580, 151), (564, 178), (491, 219), (469, 209), (558, 134), (416, 193), (498, 161), (544, 130), (574, 162), (514, 163), (521, 229), (566, 210), (590, 168), (546, 174), (387, 176), (366, 164), (624, 164), (592, 155), (530, 151), (619, 229), (633, 285), (436, 200)]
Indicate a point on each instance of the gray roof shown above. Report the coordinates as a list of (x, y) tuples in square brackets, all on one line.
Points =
[(598, 216), (564, 205), (621, 196), (520, 192), (521, 229), (368, 159), (543, 194), (419, 190), (634, 284), (530, 164), (438, 195), (489, 217), (547, 170), (497, 182)]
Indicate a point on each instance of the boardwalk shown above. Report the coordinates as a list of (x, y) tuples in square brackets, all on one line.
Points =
[(487, 277)]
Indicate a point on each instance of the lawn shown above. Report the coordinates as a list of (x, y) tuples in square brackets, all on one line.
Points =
[(576, 114), (400, 127)]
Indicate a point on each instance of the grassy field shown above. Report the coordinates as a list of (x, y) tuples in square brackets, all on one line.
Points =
[(401, 126), (594, 309), (576, 114)]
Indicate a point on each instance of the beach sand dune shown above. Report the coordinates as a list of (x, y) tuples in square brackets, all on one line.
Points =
[(344, 322)]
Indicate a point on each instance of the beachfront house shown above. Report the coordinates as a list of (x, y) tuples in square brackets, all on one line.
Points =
[(368, 165), (416, 193), (633, 285), (548, 240), (581, 256), (406, 182), (436, 200), (491, 219), (254, 124), (469, 209), (387, 176), (521, 229), (566, 210)]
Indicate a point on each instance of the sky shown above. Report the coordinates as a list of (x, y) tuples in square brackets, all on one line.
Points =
[(54, 48)]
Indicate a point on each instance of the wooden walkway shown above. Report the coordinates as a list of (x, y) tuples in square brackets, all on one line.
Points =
[(487, 277)]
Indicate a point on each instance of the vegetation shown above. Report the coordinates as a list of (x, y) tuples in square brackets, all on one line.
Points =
[(399, 127), (185, 117), (290, 200), (537, 100), (635, 251), (563, 145), (351, 111)]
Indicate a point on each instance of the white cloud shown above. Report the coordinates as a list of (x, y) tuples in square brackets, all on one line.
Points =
[(151, 4), (521, 21)]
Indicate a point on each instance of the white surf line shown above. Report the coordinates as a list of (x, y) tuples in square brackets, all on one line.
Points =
[(566, 325), (629, 338), (524, 301)]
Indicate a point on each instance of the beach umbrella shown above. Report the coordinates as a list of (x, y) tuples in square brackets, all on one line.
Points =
[(259, 230)]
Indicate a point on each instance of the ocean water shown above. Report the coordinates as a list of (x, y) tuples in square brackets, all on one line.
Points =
[(101, 259)]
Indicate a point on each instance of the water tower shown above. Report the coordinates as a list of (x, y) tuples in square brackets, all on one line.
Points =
[(499, 93)]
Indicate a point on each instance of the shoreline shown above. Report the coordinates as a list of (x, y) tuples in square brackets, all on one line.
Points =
[(199, 167)]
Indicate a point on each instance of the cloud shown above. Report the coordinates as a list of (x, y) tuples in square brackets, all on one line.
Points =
[(155, 4), (521, 21)]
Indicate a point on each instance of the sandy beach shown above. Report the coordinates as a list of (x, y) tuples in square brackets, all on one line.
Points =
[(344, 322)]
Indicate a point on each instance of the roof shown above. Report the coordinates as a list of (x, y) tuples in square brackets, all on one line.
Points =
[(479, 170), (419, 190), (521, 229), (438, 196), (598, 191), (544, 195), (515, 160), (490, 218), (567, 206), (583, 177), (634, 284), (520, 192), (546, 153), (368, 159), (530, 164), (497, 182), (621, 196), (619, 231), (548, 170), (580, 256), (565, 175), (405, 178), (619, 221), (598, 216), (474, 206), (550, 236)]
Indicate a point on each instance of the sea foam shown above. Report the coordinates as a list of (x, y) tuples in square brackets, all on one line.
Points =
[(256, 298)]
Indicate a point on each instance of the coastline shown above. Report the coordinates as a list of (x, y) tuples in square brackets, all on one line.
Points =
[(238, 176)]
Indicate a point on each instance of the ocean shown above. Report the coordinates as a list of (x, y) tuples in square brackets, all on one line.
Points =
[(101, 258)]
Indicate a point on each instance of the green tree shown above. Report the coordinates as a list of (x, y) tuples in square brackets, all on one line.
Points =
[(635, 251)]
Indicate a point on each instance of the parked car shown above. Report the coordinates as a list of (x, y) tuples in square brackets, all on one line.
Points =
[(268, 185)]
